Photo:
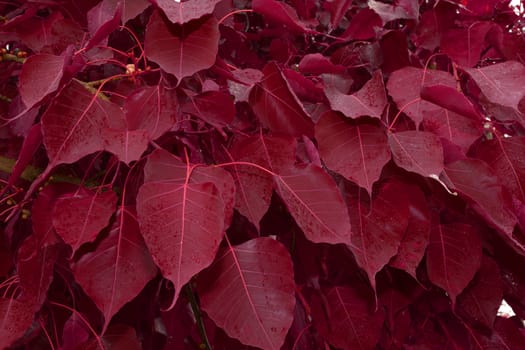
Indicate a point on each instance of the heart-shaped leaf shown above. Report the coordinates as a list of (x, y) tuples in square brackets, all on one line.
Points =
[(184, 11), (257, 277), (357, 151), (182, 50), (119, 267), (453, 257)]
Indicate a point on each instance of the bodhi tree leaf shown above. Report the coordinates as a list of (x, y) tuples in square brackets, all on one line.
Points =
[(357, 151), (182, 50), (453, 257), (257, 277), (181, 12), (119, 267), (182, 225)]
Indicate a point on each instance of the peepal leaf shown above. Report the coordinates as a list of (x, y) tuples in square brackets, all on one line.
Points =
[(249, 292), (502, 88), (453, 257), (184, 11), (164, 166), (347, 319), (74, 125), (152, 109), (356, 151), (182, 225), (280, 13), (78, 217), (277, 107), (40, 76), (316, 204), (118, 269), (182, 50), (484, 191), (506, 158), (408, 100), (254, 186), (15, 318), (417, 151), (451, 99), (482, 298), (370, 100), (378, 231), (415, 240)]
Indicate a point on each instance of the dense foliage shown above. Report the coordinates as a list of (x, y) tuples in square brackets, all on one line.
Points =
[(236, 174)]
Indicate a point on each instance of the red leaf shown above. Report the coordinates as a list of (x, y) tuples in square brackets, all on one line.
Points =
[(348, 320), (457, 129), (363, 26), (79, 216), (257, 278), (505, 157), (417, 151), (465, 45), (184, 11), (415, 240), (182, 50), (276, 105), (484, 191), (316, 204), (118, 269), (102, 23), (502, 87), (130, 8), (182, 225), (317, 64), (356, 151), (378, 231), (408, 100), (163, 166), (151, 108), (214, 107), (40, 76), (32, 142), (280, 13), (15, 319), (73, 125), (481, 300), (118, 337), (407, 9), (370, 100), (451, 99), (453, 257), (254, 186), (35, 265)]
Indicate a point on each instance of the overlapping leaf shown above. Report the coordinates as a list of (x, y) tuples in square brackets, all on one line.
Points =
[(248, 292), (502, 88), (74, 125), (316, 204), (182, 50), (481, 300), (119, 267), (347, 319), (417, 151), (181, 12), (182, 225), (276, 105), (40, 76), (78, 217), (370, 100), (378, 228), (15, 318), (356, 151), (484, 191), (453, 257), (254, 186), (408, 100)]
